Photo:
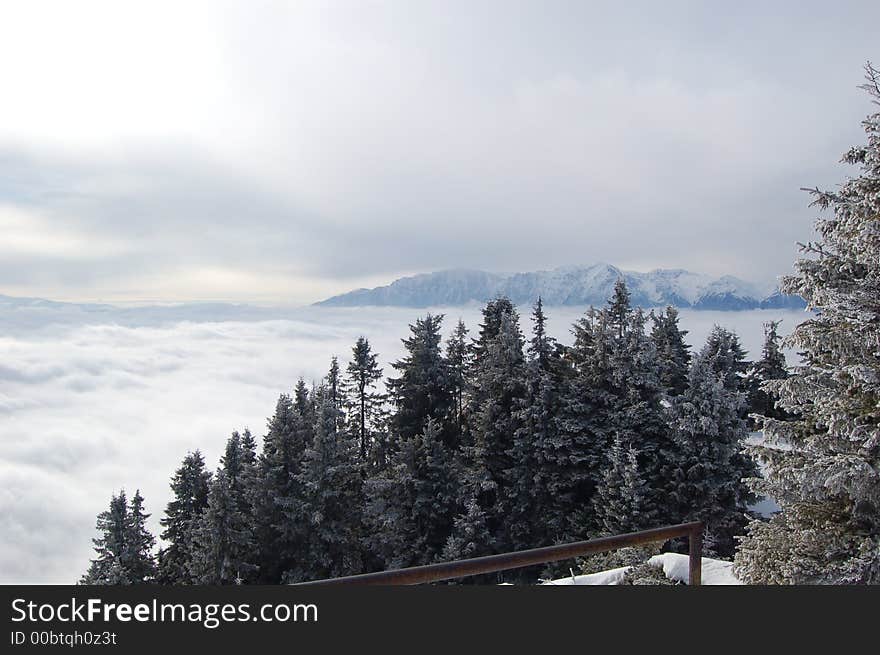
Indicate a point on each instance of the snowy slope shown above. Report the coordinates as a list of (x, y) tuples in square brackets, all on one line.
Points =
[(675, 566), (572, 285), (609, 577)]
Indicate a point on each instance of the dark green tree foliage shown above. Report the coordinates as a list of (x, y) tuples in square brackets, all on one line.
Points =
[(494, 314), (458, 359), (585, 432), (616, 393), (498, 390), (412, 506), (304, 404), (619, 309), (470, 536), (672, 352), (422, 389), (248, 449), (622, 501), (541, 449), (706, 463), (642, 419), (364, 403), (107, 567), (224, 536), (139, 559), (124, 546), (278, 529), (190, 488), (436, 491), (331, 501), (771, 366), (728, 358), (334, 383)]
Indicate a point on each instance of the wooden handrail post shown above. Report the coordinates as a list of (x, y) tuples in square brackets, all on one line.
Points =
[(695, 559)]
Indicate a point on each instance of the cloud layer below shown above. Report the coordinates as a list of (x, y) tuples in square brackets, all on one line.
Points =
[(88, 409)]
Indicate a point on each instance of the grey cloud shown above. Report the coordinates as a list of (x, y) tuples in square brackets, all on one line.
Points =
[(509, 136), (28, 375)]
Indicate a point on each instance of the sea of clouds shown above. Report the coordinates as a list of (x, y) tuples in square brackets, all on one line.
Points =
[(89, 408)]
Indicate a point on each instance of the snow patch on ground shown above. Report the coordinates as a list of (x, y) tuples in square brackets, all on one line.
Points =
[(609, 577), (675, 567)]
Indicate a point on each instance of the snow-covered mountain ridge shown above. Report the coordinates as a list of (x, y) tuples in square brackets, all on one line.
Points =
[(571, 285)]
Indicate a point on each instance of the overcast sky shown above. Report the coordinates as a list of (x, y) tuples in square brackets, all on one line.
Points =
[(285, 151)]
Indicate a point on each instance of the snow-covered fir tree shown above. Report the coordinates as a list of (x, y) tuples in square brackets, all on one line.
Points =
[(435, 492), (412, 505), (305, 408), (672, 351), (277, 497), (334, 383), (493, 314), (470, 535), (824, 463), (139, 559), (641, 418), (223, 537), (224, 551), (124, 547), (190, 488), (622, 502), (364, 403), (771, 366), (537, 518), (585, 435), (704, 465), (619, 309), (614, 392), (239, 458), (497, 391), (330, 505), (107, 567), (458, 361), (728, 357), (422, 390)]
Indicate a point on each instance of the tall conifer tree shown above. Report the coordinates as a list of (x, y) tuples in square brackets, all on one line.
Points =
[(540, 446), (458, 360), (706, 462), (364, 401), (331, 483), (771, 366), (190, 488), (672, 351), (422, 389), (498, 390), (824, 463), (278, 529)]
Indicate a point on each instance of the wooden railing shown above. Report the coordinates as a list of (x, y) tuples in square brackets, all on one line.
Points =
[(521, 558)]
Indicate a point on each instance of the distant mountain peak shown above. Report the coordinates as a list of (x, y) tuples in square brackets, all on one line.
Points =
[(568, 285)]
